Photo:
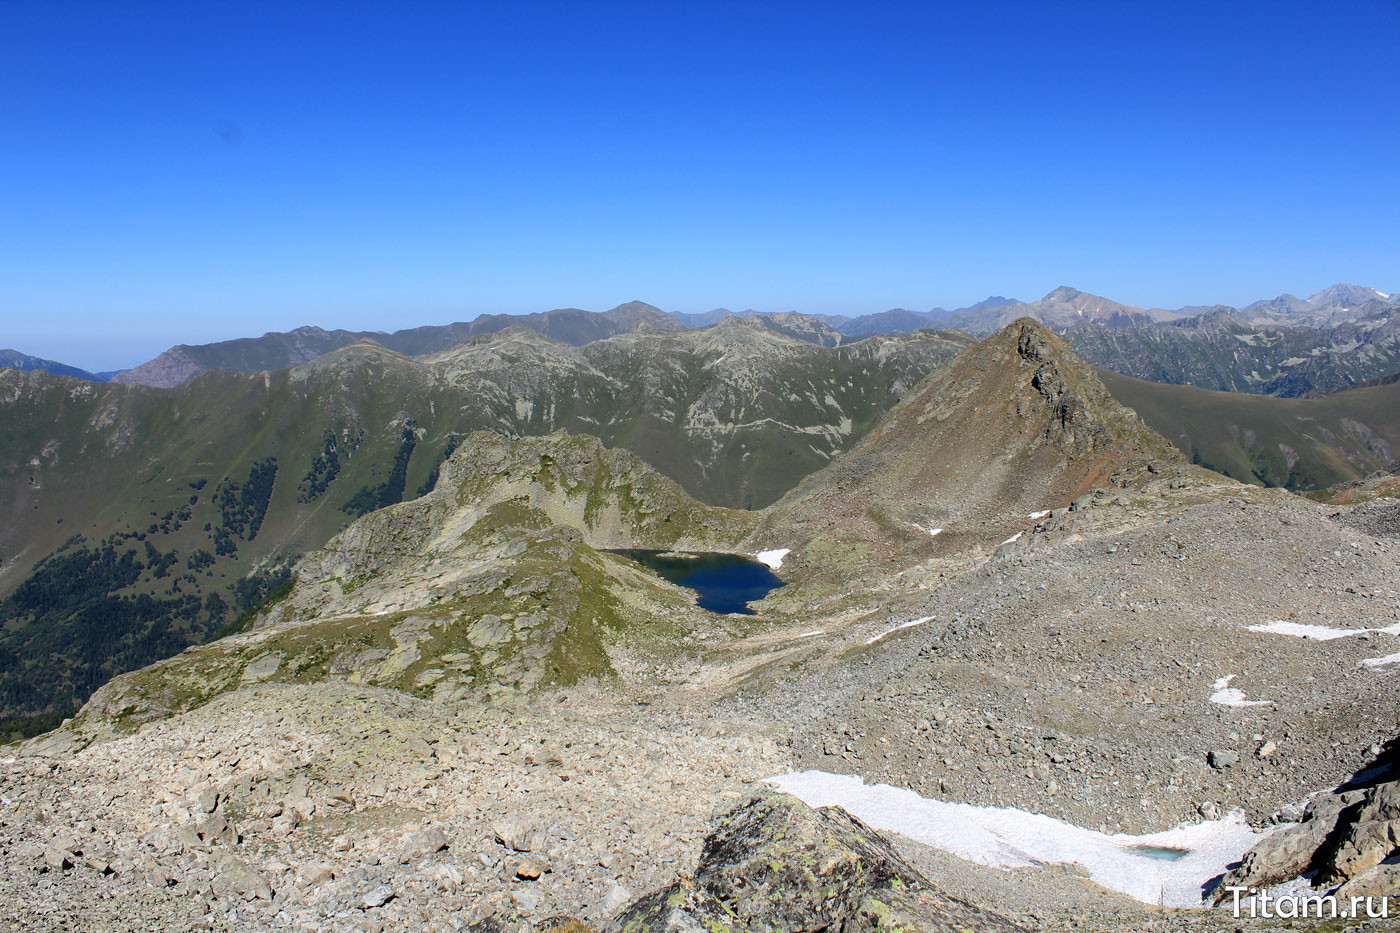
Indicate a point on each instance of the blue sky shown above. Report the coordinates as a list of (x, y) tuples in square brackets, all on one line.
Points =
[(192, 171)]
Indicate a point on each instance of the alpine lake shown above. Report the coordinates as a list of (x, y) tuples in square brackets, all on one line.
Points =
[(723, 583)]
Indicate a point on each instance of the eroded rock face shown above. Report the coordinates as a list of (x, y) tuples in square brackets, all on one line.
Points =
[(1344, 838), (775, 864)]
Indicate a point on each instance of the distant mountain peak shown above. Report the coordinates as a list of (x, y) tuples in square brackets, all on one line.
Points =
[(1063, 293), (634, 306), (25, 362), (1343, 294)]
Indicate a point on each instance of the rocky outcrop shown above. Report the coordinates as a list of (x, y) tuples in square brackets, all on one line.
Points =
[(773, 864), (1346, 840)]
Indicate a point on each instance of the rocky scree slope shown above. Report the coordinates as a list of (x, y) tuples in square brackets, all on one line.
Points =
[(1131, 662)]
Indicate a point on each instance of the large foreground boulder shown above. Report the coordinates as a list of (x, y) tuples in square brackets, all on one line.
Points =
[(774, 864)]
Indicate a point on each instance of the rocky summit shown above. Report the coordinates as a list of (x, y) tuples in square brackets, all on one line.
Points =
[(1015, 426), (1032, 668)]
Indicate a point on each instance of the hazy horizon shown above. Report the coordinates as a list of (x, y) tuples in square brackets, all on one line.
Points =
[(99, 350), (178, 173)]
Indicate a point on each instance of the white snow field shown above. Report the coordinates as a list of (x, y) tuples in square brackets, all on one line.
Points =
[(1319, 632), (773, 558), (1169, 868)]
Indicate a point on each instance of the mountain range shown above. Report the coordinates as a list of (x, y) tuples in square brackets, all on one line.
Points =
[(1011, 610), (1286, 346), (142, 519), (139, 519), (229, 474), (518, 533)]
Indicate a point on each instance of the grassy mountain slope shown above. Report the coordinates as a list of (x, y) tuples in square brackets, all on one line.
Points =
[(1301, 443), (169, 499), (737, 413), (493, 583)]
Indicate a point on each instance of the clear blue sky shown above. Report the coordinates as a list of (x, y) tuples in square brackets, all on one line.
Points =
[(191, 171)]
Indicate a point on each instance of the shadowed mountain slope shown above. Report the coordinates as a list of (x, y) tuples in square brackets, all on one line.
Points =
[(1302, 443)]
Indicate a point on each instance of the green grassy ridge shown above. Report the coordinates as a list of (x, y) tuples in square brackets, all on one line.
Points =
[(1334, 438), (538, 617), (111, 461)]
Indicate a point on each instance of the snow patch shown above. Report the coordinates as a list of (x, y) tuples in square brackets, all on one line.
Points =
[(1007, 838), (903, 625), (1037, 515), (1318, 632), (1375, 664), (816, 631), (1227, 695), (1015, 537), (935, 532), (773, 558)]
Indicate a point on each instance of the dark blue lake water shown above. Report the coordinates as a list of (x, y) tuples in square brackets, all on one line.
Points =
[(723, 583)]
